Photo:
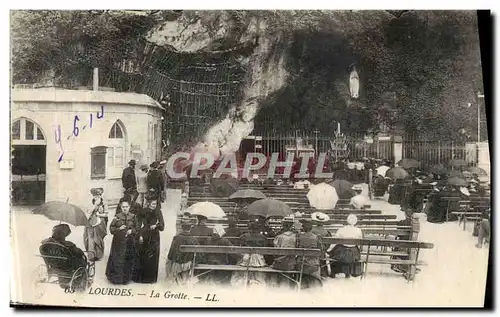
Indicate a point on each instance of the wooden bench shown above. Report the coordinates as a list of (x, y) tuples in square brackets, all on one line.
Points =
[(295, 275), (414, 248), (471, 209)]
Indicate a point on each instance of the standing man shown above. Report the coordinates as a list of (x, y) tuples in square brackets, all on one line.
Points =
[(129, 181), (142, 186), (163, 171), (154, 180)]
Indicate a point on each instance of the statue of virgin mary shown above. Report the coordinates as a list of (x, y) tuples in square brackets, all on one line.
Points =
[(354, 83)]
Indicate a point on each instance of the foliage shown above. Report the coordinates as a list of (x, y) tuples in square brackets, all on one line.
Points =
[(66, 45), (417, 69)]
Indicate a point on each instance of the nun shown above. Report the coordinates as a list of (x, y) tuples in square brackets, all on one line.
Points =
[(151, 223)]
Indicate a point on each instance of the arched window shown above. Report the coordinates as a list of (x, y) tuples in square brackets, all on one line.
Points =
[(115, 160), (116, 131), (25, 131)]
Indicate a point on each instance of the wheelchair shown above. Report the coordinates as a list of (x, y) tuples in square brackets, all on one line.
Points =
[(73, 273)]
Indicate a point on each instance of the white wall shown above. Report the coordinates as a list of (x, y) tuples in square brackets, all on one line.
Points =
[(75, 183)]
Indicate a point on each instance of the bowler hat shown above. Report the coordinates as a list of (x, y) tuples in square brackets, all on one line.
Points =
[(155, 164)]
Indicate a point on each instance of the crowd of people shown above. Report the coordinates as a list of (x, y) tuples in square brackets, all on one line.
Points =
[(290, 232), (138, 221)]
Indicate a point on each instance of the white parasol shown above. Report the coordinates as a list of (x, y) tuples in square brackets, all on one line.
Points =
[(382, 169), (323, 196), (206, 209)]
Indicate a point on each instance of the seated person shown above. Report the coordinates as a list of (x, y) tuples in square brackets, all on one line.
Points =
[(346, 257), (201, 229), (59, 234), (359, 201), (232, 230), (78, 259)]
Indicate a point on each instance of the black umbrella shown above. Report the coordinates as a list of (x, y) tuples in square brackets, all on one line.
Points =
[(408, 163), (457, 181), (248, 195), (64, 212), (268, 207), (439, 169), (224, 187)]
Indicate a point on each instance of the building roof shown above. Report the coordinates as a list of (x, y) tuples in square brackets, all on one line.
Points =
[(83, 96)]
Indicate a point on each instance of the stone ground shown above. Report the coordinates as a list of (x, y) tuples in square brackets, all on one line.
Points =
[(455, 274)]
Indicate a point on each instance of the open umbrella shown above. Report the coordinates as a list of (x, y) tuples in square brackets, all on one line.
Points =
[(343, 188), (455, 173), (268, 207), (396, 173), (408, 163), (64, 212), (439, 169), (224, 187), (457, 181), (457, 163), (249, 195), (477, 170), (206, 209), (322, 196), (381, 170)]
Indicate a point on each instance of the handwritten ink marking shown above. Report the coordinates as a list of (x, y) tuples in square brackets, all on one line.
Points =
[(102, 113), (57, 135), (76, 130)]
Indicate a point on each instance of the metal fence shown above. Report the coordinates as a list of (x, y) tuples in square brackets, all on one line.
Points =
[(340, 147), (431, 152), (357, 147)]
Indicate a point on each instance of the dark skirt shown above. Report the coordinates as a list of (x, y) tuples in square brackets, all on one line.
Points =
[(122, 259), (396, 194), (148, 258), (346, 260)]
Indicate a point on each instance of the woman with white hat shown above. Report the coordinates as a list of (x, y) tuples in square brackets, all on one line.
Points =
[(319, 219), (359, 201), (346, 257)]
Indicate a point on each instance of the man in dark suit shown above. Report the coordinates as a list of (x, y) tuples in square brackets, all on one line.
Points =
[(129, 181)]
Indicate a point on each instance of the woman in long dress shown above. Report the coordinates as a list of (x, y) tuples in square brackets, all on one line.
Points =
[(179, 263), (95, 230), (123, 253), (151, 220), (310, 265), (287, 239), (218, 277), (251, 239), (346, 257)]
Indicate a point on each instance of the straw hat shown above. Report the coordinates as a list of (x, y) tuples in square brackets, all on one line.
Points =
[(289, 218), (319, 217), (464, 191), (357, 188)]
